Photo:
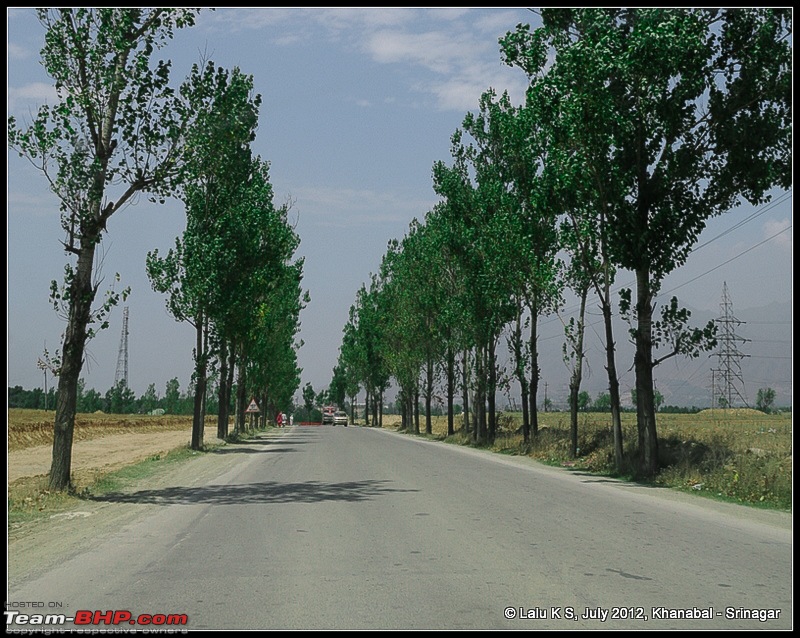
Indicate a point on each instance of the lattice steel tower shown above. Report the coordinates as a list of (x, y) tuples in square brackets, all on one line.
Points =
[(122, 357), (727, 384)]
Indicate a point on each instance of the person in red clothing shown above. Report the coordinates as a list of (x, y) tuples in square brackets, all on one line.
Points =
[(279, 420)]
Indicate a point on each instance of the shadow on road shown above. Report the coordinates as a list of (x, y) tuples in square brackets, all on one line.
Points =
[(595, 478), (254, 493), (263, 448), (259, 445)]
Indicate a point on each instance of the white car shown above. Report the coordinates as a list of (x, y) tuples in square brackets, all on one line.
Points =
[(340, 418)]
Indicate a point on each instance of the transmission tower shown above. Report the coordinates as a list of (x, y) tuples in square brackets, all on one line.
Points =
[(122, 357), (727, 384)]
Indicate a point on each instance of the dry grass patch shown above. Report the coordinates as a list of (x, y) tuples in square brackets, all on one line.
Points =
[(29, 428)]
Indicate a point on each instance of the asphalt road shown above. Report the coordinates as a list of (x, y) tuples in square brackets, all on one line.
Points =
[(356, 528)]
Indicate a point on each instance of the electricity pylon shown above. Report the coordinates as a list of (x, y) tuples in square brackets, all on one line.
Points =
[(727, 384), (122, 357)]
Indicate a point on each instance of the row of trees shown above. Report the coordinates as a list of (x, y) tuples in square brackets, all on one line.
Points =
[(232, 274), (637, 127), (118, 129), (118, 399)]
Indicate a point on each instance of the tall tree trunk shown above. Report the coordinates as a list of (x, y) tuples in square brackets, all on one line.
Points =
[(222, 396), (261, 417), (577, 376), (465, 389), (241, 399), (479, 404), (492, 388), (643, 364), (613, 380), (200, 384), (380, 409), (451, 388), (82, 295), (428, 394), (519, 366), (416, 408), (534, 353), (409, 408)]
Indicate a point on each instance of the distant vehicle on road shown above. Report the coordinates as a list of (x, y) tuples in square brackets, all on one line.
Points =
[(327, 415), (340, 418)]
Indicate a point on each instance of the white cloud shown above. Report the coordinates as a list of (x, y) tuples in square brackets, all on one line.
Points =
[(462, 91), (457, 94), (454, 62), (437, 51), (340, 19), (17, 52), (30, 95), (34, 91), (347, 207), (245, 19), (45, 205), (462, 58), (498, 23), (774, 226), (448, 13)]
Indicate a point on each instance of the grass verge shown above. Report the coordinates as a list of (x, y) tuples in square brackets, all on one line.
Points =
[(741, 456), (30, 499)]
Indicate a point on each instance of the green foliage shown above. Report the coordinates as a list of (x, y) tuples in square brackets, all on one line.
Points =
[(674, 115), (120, 399), (232, 273), (35, 399), (306, 415), (765, 398), (89, 400), (115, 122), (309, 397), (172, 396), (149, 400), (602, 403)]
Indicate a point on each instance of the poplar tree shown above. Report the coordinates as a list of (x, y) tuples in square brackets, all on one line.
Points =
[(115, 130)]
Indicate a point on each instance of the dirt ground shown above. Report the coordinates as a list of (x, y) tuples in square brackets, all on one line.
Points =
[(103, 453), (101, 442)]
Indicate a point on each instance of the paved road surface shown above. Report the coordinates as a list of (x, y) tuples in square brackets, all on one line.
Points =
[(355, 528)]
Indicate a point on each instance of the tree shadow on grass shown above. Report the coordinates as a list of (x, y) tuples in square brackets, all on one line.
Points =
[(256, 493)]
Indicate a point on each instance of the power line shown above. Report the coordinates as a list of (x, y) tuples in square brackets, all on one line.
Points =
[(744, 252), (736, 226), (758, 213)]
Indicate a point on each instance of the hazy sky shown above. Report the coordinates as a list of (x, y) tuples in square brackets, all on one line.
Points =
[(358, 104)]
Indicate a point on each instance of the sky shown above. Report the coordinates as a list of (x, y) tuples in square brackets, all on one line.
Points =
[(358, 104)]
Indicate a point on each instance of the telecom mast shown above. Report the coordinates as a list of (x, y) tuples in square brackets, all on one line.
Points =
[(727, 384), (122, 357)]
